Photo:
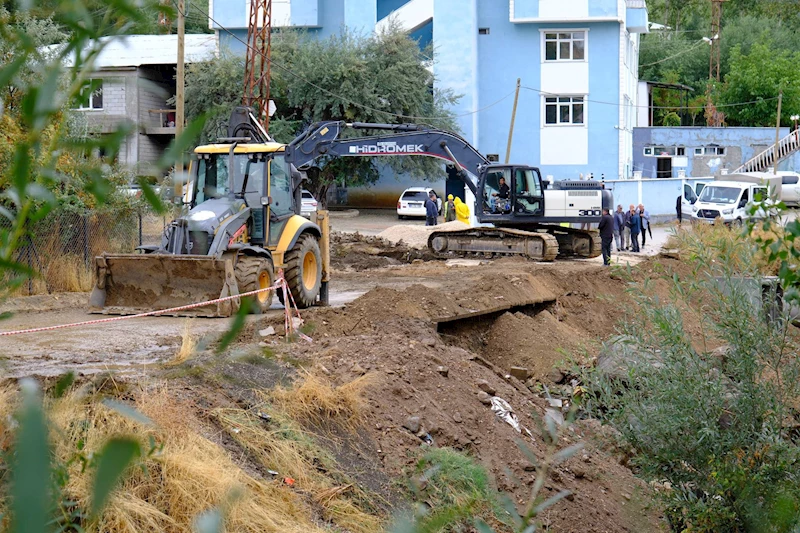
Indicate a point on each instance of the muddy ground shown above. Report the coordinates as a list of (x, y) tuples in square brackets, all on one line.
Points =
[(435, 339)]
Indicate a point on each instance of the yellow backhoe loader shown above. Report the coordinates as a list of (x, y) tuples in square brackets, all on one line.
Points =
[(242, 226)]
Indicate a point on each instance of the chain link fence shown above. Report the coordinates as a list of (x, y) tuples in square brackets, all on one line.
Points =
[(60, 249)]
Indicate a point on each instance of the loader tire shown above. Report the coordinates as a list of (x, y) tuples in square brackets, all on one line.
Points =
[(304, 271), (253, 273)]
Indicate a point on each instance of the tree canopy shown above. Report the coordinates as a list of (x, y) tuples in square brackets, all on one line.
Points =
[(766, 31), (379, 78)]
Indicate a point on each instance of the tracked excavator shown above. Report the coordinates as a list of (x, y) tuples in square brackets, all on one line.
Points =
[(527, 221), (242, 225)]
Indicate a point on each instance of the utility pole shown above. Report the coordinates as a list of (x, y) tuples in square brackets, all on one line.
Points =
[(180, 77), (777, 136), (714, 118), (513, 116)]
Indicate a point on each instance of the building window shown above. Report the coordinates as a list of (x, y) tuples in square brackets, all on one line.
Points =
[(483, 31), (681, 151), (711, 149), (91, 95), (563, 110), (648, 150), (565, 46)]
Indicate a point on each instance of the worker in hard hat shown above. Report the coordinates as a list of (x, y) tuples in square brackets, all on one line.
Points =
[(462, 210), (449, 209)]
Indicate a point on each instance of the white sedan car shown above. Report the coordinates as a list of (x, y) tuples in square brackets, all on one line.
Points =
[(308, 204), (412, 202)]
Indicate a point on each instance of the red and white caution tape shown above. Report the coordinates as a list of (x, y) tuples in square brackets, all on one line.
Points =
[(280, 284)]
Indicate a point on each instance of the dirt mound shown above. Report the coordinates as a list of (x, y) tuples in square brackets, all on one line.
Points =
[(417, 378), (356, 252), (417, 236), (516, 339)]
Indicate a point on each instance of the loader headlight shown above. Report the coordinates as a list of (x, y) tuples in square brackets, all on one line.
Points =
[(727, 211)]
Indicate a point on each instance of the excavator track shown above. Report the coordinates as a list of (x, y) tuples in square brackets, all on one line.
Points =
[(539, 242), (572, 242), (487, 241)]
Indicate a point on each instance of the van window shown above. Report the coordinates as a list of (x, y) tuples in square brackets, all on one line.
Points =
[(789, 180), (759, 194), (719, 195), (745, 196), (689, 194)]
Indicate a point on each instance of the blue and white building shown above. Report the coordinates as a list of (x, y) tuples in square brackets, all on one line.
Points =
[(577, 61)]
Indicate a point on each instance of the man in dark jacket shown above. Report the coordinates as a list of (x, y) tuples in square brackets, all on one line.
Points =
[(636, 228), (678, 209), (431, 210), (619, 223), (606, 228)]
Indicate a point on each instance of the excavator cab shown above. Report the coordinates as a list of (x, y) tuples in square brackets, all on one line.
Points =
[(523, 198)]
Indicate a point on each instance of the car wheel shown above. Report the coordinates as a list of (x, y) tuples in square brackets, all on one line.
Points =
[(738, 223), (400, 217)]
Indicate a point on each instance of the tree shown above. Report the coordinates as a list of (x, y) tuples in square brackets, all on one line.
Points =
[(757, 77), (378, 78)]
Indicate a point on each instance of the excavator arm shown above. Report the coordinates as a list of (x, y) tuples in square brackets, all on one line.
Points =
[(322, 140)]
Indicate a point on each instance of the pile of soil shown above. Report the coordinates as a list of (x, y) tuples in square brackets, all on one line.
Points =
[(427, 389), (356, 252), (515, 339), (417, 236)]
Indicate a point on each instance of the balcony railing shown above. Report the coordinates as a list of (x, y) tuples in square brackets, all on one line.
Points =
[(636, 4), (162, 122)]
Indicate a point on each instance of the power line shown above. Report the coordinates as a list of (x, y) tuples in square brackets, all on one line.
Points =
[(698, 43), (347, 100), (617, 104)]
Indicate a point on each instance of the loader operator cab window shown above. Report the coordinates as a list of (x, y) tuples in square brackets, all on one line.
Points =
[(496, 189), (527, 192), (281, 206), (212, 178)]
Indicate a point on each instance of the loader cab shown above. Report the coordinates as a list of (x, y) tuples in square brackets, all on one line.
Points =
[(260, 177), (525, 196)]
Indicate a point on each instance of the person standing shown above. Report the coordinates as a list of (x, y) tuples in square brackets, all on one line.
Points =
[(619, 223), (626, 227), (636, 228), (431, 210), (462, 210), (678, 208), (644, 215), (449, 209), (606, 228)]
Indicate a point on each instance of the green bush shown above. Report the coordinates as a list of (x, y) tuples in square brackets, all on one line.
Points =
[(718, 426)]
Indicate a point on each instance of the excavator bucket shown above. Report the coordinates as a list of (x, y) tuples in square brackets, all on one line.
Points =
[(127, 284)]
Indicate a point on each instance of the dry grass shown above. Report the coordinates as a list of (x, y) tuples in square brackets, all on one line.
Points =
[(314, 399), (282, 446), (189, 474), (167, 491), (709, 242), (188, 345)]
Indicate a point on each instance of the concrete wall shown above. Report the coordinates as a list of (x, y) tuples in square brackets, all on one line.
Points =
[(740, 145), (657, 195)]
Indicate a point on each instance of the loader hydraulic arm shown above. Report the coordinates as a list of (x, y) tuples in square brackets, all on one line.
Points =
[(322, 140)]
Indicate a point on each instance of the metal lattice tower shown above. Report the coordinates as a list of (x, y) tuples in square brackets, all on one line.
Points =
[(257, 62)]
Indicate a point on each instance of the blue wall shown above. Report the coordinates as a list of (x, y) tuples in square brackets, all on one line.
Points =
[(498, 73), (387, 6), (740, 144)]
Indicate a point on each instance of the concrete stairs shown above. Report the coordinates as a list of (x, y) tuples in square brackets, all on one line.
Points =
[(766, 159)]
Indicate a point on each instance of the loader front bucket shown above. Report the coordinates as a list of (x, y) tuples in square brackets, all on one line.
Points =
[(127, 284)]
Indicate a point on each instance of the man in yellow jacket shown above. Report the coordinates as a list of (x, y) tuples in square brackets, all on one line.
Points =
[(462, 210)]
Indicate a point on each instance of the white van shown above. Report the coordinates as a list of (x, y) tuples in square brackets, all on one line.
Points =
[(730, 201)]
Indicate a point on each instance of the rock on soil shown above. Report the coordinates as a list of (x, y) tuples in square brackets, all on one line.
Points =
[(417, 236)]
